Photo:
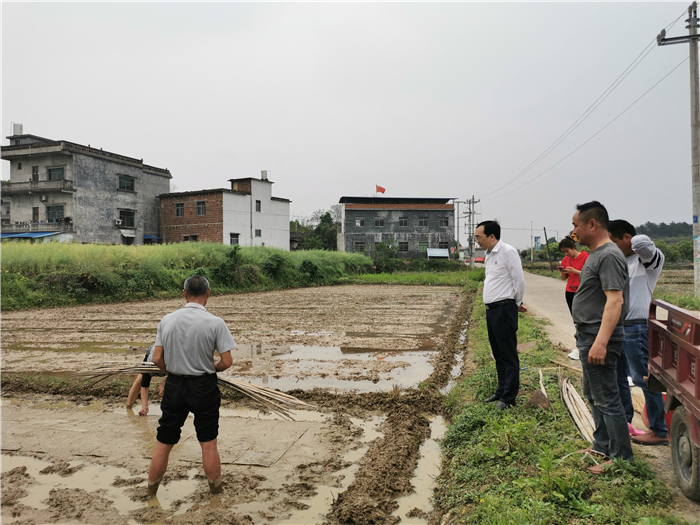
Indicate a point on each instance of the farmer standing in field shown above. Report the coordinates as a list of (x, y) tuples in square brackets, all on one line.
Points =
[(504, 289), (599, 309), (185, 345), (644, 263)]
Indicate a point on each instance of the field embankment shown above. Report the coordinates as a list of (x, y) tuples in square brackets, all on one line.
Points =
[(62, 274), (521, 466)]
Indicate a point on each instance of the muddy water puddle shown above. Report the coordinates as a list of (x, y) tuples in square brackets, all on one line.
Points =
[(353, 369), (92, 478), (427, 471)]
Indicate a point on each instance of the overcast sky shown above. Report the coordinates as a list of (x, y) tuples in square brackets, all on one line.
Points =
[(424, 99)]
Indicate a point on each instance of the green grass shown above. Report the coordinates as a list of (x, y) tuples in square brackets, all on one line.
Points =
[(45, 275), (511, 467), (465, 278)]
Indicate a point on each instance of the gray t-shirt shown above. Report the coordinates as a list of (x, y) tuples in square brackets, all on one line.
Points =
[(605, 269), (189, 337)]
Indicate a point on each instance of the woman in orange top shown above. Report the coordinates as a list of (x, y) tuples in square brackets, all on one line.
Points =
[(571, 266)]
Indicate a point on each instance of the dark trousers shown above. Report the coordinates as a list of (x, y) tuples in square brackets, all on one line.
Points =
[(502, 326), (570, 300)]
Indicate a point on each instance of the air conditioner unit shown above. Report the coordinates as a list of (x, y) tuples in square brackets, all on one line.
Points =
[(117, 222), (44, 198)]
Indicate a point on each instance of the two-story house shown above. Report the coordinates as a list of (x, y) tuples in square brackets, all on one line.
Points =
[(414, 225), (247, 214)]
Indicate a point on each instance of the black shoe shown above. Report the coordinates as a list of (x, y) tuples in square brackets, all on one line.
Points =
[(491, 399), (502, 406)]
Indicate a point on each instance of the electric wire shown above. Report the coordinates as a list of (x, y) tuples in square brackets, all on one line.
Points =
[(596, 133), (644, 53)]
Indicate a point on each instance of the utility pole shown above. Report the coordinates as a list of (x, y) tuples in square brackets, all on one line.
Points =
[(471, 212), (692, 40)]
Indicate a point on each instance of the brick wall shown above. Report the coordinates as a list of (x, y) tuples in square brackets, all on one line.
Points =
[(207, 227)]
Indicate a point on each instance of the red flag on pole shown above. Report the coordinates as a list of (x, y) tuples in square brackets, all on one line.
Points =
[(380, 189)]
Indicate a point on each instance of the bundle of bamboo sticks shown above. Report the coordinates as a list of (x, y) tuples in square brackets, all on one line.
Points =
[(272, 400), (577, 408)]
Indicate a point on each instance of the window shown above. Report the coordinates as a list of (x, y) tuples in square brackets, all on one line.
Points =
[(379, 221), (179, 209), (403, 246), (359, 246), (376, 246), (258, 233), (444, 245), (423, 246), (233, 238), (35, 173), (194, 238), (423, 221), (16, 142), (443, 221), (54, 212), (19, 165), (128, 218), (359, 223), (126, 183), (186, 238), (55, 173), (258, 205), (201, 207), (403, 221)]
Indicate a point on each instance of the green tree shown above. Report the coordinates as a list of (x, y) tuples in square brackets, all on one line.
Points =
[(323, 237), (385, 260), (671, 252), (685, 248)]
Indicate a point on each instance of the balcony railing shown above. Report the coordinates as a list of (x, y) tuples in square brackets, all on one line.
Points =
[(38, 186), (24, 227)]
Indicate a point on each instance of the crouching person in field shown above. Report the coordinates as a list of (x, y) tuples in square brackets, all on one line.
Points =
[(185, 345)]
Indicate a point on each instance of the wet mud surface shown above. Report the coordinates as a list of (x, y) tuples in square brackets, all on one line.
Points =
[(372, 359)]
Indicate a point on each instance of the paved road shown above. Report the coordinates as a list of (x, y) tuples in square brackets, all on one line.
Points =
[(544, 298)]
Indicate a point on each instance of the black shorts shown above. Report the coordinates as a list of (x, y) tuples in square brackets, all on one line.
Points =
[(145, 378), (199, 395)]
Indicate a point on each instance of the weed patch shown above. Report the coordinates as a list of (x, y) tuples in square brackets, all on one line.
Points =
[(521, 465)]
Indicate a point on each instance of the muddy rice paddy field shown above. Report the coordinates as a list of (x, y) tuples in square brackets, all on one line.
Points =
[(368, 453)]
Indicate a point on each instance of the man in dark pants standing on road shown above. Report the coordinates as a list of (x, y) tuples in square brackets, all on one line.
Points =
[(504, 289), (185, 345), (599, 309)]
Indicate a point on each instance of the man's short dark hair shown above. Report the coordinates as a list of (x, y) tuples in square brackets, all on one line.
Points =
[(593, 210), (196, 286), (567, 242), (491, 228), (619, 227)]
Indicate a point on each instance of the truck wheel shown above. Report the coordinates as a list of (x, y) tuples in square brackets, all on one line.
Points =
[(685, 455)]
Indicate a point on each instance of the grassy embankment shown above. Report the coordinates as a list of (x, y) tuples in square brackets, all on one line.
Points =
[(464, 278), (512, 467), (61, 274)]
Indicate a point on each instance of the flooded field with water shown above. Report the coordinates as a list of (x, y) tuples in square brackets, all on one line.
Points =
[(368, 453)]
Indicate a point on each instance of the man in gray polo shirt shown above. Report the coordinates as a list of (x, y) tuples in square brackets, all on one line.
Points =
[(185, 345), (599, 308)]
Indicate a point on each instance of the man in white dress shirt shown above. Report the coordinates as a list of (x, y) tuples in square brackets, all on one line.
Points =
[(504, 289)]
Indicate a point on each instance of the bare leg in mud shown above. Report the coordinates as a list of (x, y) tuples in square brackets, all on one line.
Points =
[(159, 464), (212, 465), (134, 391)]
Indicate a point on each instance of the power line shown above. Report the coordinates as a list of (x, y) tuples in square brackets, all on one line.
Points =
[(647, 49), (595, 134)]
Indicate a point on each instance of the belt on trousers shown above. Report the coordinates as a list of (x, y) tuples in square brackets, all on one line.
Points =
[(180, 375), (498, 304), (632, 322)]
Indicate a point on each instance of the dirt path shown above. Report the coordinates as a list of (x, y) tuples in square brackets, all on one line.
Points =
[(544, 297), (356, 352)]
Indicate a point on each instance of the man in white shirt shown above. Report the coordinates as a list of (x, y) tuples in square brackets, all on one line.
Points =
[(504, 289)]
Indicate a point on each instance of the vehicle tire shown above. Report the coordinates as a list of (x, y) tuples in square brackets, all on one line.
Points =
[(685, 455)]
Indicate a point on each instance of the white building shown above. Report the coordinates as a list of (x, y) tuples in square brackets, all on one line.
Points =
[(247, 214)]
